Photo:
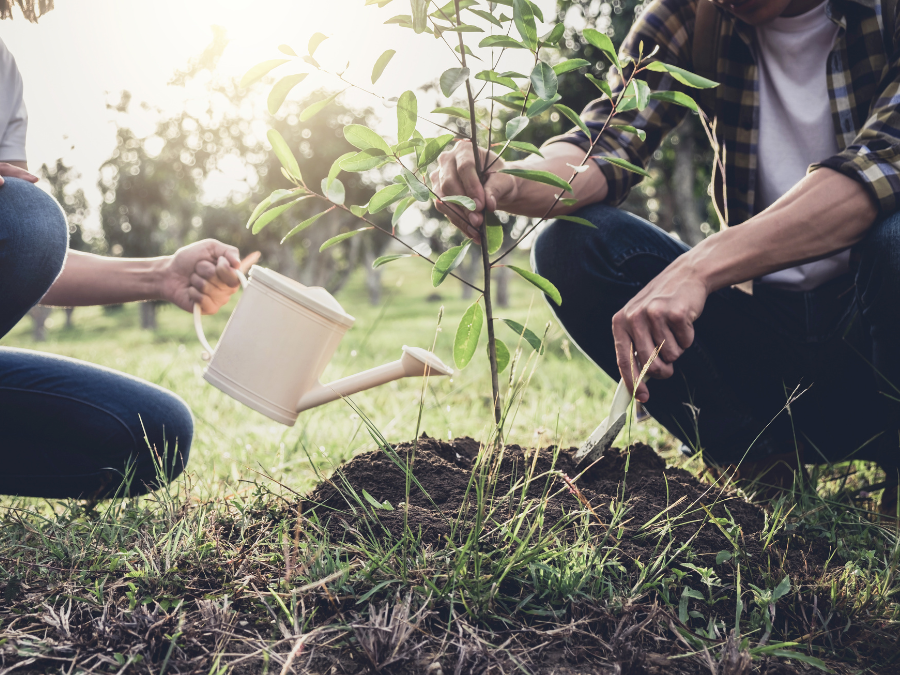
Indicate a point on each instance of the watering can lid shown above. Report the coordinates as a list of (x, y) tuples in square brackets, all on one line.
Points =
[(312, 297)]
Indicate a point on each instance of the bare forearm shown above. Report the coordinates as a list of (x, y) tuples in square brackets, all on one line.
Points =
[(826, 212), (95, 280), (533, 199)]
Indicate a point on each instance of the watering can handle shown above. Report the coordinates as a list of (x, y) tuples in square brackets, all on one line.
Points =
[(198, 326)]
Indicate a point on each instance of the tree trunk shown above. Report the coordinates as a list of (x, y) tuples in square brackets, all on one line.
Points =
[(687, 220), (69, 312), (148, 315), (39, 315), (501, 276)]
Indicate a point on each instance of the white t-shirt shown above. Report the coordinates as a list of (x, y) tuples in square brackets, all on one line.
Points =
[(13, 117), (795, 125)]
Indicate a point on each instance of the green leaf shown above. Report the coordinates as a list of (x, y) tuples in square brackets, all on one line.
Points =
[(365, 160), (448, 11), (684, 76), (676, 97), (571, 64), (385, 506), (539, 281), (336, 166), (722, 556), (311, 61), (494, 238), (387, 196), (452, 78), (527, 334), (312, 110), (782, 589), (419, 190), (419, 10), (433, 148), (799, 656), (602, 85), (541, 105), (258, 71), (341, 237), (467, 334), (544, 80), (522, 146), (539, 177), (302, 226), (554, 34), (452, 111), (274, 198), (283, 152), (641, 92), (407, 115), (381, 64), (364, 138), (462, 28), (314, 42), (577, 219), (359, 211), (287, 49), (448, 261), (492, 76), (404, 204), (502, 41), (465, 202), (281, 89), (574, 117), (568, 202), (385, 259), (515, 126), (334, 190), (502, 352), (625, 164), (537, 11), (487, 16), (523, 15), (602, 42), (272, 214), (640, 133), (407, 147)]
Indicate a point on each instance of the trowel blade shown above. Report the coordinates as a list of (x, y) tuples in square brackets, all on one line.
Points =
[(597, 444)]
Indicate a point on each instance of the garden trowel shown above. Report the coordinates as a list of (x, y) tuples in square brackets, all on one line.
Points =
[(608, 430)]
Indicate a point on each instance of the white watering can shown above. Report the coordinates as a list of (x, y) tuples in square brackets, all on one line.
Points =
[(278, 341)]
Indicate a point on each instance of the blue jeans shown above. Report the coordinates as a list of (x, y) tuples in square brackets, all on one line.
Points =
[(68, 428), (838, 344)]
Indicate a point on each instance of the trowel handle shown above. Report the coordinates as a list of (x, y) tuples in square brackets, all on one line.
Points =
[(198, 325)]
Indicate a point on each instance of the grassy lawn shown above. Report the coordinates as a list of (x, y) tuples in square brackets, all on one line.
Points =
[(494, 562)]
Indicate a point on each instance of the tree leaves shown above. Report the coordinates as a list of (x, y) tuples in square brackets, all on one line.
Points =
[(467, 334), (602, 42), (571, 64), (387, 196), (494, 238), (272, 214), (341, 237), (462, 200), (539, 281), (316, 107), (334, 190), (526, 334), (302, 226), (432, 149), (419, 10), (574, 117), (452, 111), (522, 146), (283, 152), (452, 78), (676, 97), (684, 76), (577, 219), (496, 78), (274, 198), (502, 41), (281, 89), (381, 64), (419, 190), (540, 105), (448, 261), (404, 204), (515, 126), (640, 133), (407, 115), (625, 164), (523, 16), (544, 81), (364, 138), (502, 352), (260, 70), (641, 92), (365, 160), (539, 177), (602, 85), (385, 259), (487, 16), (314, 42), (336, 166)]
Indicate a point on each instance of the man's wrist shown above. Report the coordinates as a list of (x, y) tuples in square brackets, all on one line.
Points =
[(155, 275)]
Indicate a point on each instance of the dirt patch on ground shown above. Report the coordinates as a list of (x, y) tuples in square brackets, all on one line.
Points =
[(636, 475)]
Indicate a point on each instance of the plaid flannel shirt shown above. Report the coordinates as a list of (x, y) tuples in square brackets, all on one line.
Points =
[(863, 85)]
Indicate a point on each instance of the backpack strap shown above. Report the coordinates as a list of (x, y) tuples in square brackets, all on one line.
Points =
[(705, 48)]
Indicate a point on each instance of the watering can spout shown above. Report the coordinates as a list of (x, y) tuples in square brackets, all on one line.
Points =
[(415, 362)]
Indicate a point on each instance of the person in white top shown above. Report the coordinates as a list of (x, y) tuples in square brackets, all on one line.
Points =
[(68, 428)]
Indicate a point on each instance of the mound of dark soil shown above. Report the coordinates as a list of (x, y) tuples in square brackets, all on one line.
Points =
[(636, 475)]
